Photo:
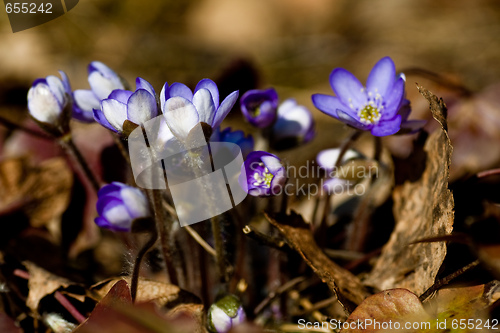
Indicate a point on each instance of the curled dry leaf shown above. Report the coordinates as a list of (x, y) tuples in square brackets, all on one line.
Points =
[(41, 283), (43, 191), (422, 208), (116, 313), (389, 307), (341, 282)]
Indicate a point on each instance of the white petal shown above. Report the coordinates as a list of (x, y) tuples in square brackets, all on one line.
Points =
[(328, 158), (86, 100), (57, 88), (42, 104), (102, 86), (272, 163), (141, 107), (204, 104), (181, 116), (293, 120), (224, 108), (115, 112), (220, 320), (135, 202)]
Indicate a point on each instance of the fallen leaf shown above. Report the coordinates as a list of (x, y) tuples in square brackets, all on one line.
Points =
[(116, 313), (466, 302), (41, 283), (393, 307), (341, 282), (42, 191), (423, 208)]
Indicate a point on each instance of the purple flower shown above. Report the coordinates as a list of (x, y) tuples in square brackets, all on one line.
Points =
[(246, 143), (262, 174), (225, 313), (183, 109), (409, 126), (295, 123), (119, 205), (374, 108), (48, 97), (136, 107), (259, 107), (102, 81)]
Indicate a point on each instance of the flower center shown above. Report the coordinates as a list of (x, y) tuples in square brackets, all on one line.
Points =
[(263, 178), (369, 114)]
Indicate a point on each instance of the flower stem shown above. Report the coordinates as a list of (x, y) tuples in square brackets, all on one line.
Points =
[(166, 238), (72, 150), (138, 260), (344, 147)]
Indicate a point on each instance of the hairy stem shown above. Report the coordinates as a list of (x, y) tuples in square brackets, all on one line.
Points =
[(138, 260)]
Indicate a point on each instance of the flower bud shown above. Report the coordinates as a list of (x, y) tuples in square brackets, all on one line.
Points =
[(225, 313), (295, 125), (48, 97), (262, 174), (259, 107), (119, 205)]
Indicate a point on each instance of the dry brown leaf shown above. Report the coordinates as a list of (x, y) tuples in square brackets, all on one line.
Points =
[(41, 283), (341, 282), (388, 307), (42, 191), (163, 295), (422, 209)]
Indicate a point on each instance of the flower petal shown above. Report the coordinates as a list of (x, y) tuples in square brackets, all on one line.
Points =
[(388, 127), (293, 120), (120, 95), (204, 104), (135, 202), (180, 89), (103, 80), (57, 88), (141, 107), (272, 163), (329, 104), (348, 88), (140, 83), (115, 112), (42, 104), (349, 120), (181, 116), (101, 119), (328, 158), (382, 76), (210, 86), (224, 108), (84, 104), (393, 99)]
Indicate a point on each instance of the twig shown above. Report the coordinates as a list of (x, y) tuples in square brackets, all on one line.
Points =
[(447, 279), (200, 241), (11, 125), (71, 149), (314, 307), (68, 306), (263, 238), (488, 173), (280, 290)]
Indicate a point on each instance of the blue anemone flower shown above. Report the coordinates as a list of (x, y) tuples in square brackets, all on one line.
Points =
[(136, 107), (119, 205), (102, 80), (374, 108)]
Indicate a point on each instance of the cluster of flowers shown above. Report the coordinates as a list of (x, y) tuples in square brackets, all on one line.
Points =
[(381, 108)]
